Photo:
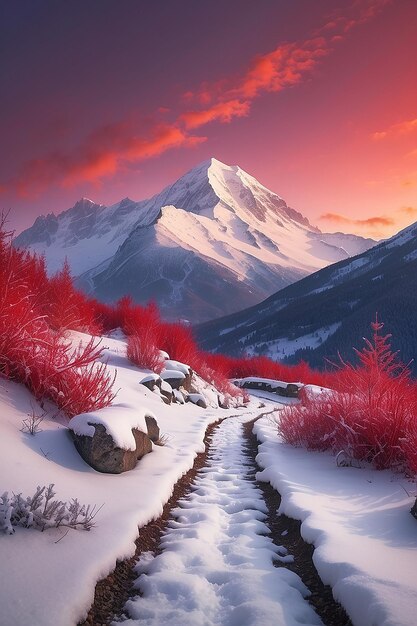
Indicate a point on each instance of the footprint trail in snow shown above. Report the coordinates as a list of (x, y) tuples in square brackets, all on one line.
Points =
[(216, 566)]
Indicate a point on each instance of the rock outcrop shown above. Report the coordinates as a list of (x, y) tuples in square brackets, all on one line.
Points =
[(102, 454)]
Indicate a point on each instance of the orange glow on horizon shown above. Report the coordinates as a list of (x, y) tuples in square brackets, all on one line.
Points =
[(313, 118)]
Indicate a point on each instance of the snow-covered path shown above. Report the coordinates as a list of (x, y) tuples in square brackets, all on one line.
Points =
[(216, 566)]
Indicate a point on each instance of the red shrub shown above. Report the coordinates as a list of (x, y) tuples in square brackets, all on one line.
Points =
[(371, 415), (32, 353), (70, 377), (141, 351), (178, 341), (264, 367), (66, 308), (105, 316)]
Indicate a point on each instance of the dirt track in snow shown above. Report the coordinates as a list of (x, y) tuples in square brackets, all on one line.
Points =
[(112, 593)]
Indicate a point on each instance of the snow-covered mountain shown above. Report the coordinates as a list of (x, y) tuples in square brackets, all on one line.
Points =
[(329, 312), (212, 243)]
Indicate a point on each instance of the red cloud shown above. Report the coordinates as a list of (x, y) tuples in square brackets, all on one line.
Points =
[(106, 150), (409, 210), (283, 67), (228, 99), (359, 12), (402, 128), (370, 221), (102, 154), (222, 111)]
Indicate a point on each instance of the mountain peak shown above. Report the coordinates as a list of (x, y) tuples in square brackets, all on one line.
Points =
[(85, 202)]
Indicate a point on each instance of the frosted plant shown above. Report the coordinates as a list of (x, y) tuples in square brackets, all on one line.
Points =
[(42, 511), (6, 511)]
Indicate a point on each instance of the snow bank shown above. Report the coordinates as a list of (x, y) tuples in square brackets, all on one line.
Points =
[(359, 521), (49, 583), (271, 382)]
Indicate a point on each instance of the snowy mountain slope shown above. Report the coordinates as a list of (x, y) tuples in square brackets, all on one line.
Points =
[(330, 311), (216, 237)]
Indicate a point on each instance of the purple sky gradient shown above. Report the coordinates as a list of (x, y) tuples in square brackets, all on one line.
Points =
[(111, 98)]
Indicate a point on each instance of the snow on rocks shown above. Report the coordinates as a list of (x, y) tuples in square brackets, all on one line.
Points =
[(177, 366), (113, 439), (174, 377), (216, 565), (198, 399), (359, 522), (49, 583), (150, 378), (179, 396), (289, 390), (118, 421)]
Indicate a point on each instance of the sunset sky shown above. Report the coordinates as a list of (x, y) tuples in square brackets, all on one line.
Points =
[(114, 98)]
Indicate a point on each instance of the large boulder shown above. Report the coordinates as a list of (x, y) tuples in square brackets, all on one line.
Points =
[(101, 453), (113, 439)]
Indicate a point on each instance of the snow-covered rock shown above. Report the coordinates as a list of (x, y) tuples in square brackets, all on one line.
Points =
[(112, 440), (198, 399)]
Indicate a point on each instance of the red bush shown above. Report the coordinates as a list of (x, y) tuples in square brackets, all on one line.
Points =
[(178, 342), (70, 377), (141, 350), (66, 308), (371, 415), (32, 353)]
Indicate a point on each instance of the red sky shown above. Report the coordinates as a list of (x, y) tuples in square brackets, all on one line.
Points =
[(108, 99)]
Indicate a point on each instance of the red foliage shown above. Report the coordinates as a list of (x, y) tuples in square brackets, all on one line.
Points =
[(66, 308), (264, 367), (31, 352), (141, 350), (371, 415), (177, 340)]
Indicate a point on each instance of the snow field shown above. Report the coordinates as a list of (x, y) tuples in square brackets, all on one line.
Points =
[(45, 583), (359, 522), (217, 561)]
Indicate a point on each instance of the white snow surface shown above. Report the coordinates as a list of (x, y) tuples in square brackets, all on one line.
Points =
[(52, 584), (216, 566), (359, 522), (282, 347), (215, 561)]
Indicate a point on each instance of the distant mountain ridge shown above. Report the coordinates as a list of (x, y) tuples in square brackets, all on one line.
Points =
[(212, 243), (329, 312)]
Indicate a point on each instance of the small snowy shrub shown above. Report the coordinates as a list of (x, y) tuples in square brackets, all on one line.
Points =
[(371, 415), (42, 511), (32, 423)]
